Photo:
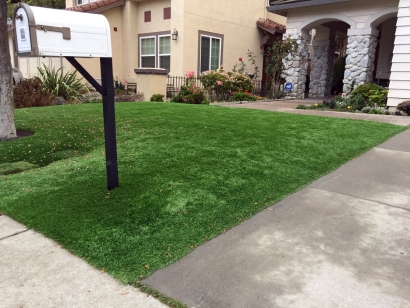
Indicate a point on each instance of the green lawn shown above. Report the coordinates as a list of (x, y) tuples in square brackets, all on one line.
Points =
[(187, 173)]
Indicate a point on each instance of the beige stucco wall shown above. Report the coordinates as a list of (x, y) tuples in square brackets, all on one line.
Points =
[(129, 21), (236, 22), (275, 17), (152, 84), (70, 3), (92, 65)]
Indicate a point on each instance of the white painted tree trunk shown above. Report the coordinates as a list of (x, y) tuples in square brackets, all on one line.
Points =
[(7, 127)]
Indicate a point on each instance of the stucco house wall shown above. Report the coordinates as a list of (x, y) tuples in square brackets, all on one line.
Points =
[(235, 23)]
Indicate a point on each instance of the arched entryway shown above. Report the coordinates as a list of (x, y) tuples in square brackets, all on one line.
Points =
[(323, 39)]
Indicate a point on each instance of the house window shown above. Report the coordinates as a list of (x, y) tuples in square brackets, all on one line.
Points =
[(164, 54), (167, 13), (155, 50), (210, 51), (147, 16), (147, 52), (79, 2)]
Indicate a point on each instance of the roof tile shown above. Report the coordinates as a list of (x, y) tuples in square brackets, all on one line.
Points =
[(270, 24), (93, 5)]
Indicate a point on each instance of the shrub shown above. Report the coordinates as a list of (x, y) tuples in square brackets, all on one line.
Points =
[(405, 107), (219, 84), (377, 110), (365, 90), (275, 58), (329, 102), (317, 106), (242, 96), (378, 97), (358, 102), (157, 98), (30, 93), (301, 106), (190, 93), (342, 103), (57, 84)]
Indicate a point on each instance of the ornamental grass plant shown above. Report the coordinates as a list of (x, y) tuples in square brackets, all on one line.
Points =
[(65, 85)]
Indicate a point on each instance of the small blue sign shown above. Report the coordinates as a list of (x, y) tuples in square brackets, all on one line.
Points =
[(288, 86)]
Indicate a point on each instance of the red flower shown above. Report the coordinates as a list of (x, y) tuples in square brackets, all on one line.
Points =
[(324, 101), (240, 59)]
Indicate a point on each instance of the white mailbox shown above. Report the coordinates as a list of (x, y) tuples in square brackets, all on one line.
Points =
[(55, 33)]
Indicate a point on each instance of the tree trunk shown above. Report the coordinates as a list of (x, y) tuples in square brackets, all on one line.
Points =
[(7, 127)]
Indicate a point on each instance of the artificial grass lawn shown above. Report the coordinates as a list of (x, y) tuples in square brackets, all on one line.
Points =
[(187, 173)]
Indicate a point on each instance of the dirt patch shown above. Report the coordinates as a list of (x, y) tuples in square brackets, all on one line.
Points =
[(21, 133)]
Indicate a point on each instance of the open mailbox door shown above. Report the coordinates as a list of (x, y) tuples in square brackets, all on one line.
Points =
[(42, 32)]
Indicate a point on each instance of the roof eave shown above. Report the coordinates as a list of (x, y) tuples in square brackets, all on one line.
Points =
[(98, 9), (282, 8)]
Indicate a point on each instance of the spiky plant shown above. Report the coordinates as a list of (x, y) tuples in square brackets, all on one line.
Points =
[(58, 84)]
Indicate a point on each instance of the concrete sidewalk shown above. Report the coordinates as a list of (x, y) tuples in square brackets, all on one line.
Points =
[(343, 241), (36, 272)]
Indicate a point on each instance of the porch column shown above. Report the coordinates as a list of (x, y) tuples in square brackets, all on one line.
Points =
[(322, 67), (296, 69), (361, 49)]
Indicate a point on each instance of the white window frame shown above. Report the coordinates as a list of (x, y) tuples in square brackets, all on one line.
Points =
[(84, 1), (210, 50), (165, 54), (150, 55)]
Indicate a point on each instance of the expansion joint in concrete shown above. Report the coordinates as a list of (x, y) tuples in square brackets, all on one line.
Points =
[(371, 200), (14, 234)]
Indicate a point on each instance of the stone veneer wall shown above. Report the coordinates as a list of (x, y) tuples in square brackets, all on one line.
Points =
[(321, 73), (296, 68), (359, 61)]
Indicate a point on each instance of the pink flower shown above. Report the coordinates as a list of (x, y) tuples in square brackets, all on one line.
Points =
[(240, 59), (219, 83), (190, 74), (194, 91)]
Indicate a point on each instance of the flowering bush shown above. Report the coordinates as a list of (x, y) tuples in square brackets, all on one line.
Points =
[(241, 67), (189, 93), (219, 83)]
